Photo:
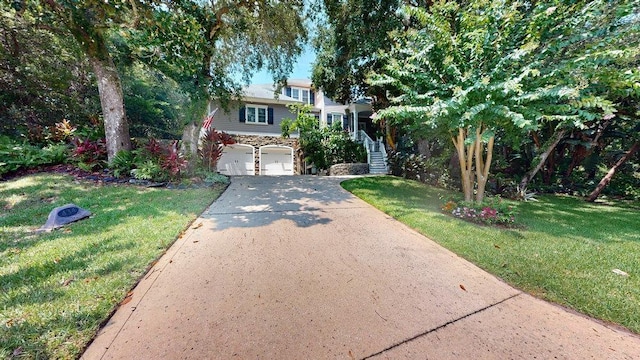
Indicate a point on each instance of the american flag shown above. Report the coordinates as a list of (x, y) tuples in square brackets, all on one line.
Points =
[(209, 120)]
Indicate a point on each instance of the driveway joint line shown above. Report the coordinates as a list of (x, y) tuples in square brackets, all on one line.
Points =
[(440, 327)]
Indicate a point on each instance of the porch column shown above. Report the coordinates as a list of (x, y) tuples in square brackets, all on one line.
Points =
[(355, 123)]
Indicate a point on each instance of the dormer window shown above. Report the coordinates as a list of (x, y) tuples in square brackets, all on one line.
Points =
[(306, 96)]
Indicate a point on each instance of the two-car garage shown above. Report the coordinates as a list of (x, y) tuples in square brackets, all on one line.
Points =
[(239, 159)]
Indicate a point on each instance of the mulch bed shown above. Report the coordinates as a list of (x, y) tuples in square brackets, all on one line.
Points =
[(97, 176), (100, 177)]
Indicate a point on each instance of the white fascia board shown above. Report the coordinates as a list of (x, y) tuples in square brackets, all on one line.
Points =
[(294, 135), (261, 100), (336, 109)]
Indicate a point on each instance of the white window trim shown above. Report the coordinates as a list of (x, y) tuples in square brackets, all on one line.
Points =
[(256, 106), (300, 90), (333, 118)]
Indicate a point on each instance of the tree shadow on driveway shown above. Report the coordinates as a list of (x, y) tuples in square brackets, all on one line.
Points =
[(252, 201)]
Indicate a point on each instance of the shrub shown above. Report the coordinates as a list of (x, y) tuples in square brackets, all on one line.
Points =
[(172, 162), (89, 154), (158, 162), (15, 156), (212, 144), (431, 170), (62, 131), (148, 170), (341, 148), (122, 163), (216, 178), (322, 146)]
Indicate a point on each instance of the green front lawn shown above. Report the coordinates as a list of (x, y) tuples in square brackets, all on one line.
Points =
[(57, 288), (565, 253)]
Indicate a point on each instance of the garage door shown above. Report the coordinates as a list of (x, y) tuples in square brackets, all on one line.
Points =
[(276, 160), (237, 159)]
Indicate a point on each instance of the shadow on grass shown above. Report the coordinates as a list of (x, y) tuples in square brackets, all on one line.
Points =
[(50, 284), (554, 215), (56, 288), (111, 206), (570, 217), (23, 337)]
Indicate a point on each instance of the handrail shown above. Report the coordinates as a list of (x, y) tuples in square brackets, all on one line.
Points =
[(373, 146), (383, 150), (368, 143)]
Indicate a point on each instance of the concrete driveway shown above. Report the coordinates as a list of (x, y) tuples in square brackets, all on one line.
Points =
[(297, 268)]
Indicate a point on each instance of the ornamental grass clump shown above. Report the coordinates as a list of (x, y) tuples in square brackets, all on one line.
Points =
[(491, 212)]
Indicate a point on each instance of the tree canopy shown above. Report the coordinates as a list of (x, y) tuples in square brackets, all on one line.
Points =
[(200, 45), (477, 67), (347, 44)]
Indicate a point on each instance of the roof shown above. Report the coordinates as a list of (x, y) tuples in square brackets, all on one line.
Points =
[(266, 93), (306, 83)]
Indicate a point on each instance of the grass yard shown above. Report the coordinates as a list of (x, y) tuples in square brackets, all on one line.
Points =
[(565, 253), (57, 288)]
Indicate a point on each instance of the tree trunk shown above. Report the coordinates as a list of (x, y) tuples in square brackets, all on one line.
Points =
[(116, 128), (607, 178), (190, 138), (578, 155), (482, 167), (543, 158), (424, 148), (581, 152), (466, 163)]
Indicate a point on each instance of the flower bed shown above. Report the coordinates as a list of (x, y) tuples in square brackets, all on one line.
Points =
[(491, 212)]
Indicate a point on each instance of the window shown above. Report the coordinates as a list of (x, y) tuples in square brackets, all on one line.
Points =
[(256, 114), (304, 95), (334, 118)]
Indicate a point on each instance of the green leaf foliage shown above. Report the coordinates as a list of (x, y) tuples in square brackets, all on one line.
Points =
[(506, 63)]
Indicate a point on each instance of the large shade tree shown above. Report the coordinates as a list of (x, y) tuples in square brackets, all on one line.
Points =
[(89, 23), (347, 43), (198, 43), (476, 67), (41, 80)]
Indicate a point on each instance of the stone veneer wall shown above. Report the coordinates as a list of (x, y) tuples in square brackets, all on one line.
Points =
[(349, 169), (257, 141)]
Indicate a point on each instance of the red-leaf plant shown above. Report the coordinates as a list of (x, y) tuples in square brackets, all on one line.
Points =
[(212, 144), (89, 152), (172, 161)]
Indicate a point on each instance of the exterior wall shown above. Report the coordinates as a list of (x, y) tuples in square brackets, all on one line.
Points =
[(270, 134), (334, 109), (329, 102), (258, 141), (229, 122)]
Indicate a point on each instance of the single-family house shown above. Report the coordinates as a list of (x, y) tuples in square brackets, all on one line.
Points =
[(255, 124)]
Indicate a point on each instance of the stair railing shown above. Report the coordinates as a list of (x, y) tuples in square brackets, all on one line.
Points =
[(367, 142), (383, 150)]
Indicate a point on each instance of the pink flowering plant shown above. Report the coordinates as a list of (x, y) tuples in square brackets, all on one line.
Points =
[(494, 211)]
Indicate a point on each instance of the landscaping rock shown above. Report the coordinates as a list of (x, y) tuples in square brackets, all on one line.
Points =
[(63, 215)]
